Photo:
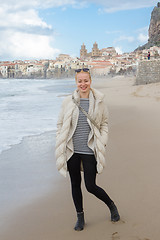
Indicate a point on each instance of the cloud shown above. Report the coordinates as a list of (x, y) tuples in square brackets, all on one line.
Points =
[(142, 34), (23, 21), (107, 5), (144, 29), (23, 34), (116, 5), (15, 5), (142, 38), (137, 37), (124, 38), (26, 46), (119, 50), (113, 32)]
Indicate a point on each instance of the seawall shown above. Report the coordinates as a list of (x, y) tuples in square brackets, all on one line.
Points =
[(148, 71)]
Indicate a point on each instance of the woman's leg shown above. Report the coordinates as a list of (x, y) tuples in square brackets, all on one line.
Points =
[(90, 170), (73, 165)]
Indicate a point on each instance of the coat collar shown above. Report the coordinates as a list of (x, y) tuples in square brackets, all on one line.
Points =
[(94, 94)]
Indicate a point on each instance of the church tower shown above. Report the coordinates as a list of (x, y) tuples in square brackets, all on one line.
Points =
[(83, 51), (95, 50)]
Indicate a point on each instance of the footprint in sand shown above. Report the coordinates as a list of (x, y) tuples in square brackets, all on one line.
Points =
[(115, 236)]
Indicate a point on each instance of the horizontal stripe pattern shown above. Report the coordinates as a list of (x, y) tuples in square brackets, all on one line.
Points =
[(80, 136)]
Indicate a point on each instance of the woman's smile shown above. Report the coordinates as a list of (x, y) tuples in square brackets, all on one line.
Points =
[(84, 88)]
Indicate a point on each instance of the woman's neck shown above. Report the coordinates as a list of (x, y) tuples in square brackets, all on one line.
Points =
[(84, 95)]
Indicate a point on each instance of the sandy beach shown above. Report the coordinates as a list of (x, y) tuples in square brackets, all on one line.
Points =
[(131, 176)]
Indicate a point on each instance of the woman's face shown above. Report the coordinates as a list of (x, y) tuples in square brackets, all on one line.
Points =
[(83, 82)]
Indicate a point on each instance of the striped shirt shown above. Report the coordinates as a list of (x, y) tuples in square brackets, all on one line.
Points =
[(80, 136)]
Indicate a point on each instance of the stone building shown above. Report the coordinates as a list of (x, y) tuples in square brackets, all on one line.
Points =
[(4, 70), (95, 50), (63, 57), (83, 51), (108, 52), (7, 70)]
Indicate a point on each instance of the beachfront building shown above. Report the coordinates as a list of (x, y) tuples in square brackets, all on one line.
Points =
[(4, 70), (20, 70), (51, 64), (35, 70), (50, 70), (7, 70)]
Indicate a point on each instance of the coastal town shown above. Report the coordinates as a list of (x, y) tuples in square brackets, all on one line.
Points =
[(101, 62)]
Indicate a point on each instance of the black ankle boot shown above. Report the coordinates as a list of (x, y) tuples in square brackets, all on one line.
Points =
[(80, 222), (114, 213)]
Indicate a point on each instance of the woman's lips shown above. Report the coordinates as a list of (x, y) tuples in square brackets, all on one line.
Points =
[(83, 88)]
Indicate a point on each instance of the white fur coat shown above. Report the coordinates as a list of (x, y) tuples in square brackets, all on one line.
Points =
[(66, 125)]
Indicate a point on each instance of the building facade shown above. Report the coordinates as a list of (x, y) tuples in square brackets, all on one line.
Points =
[(83, 51), (95, 50)]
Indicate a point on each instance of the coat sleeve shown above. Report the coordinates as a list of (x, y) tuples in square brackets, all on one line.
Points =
[(104, 124), (60, 119)]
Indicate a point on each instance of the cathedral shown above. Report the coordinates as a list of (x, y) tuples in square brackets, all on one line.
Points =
[(95, 51)]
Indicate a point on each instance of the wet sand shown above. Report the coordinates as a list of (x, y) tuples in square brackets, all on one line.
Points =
[(131, 177)]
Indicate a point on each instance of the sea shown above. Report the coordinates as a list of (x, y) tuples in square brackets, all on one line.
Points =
[(29, 111), (29, 107)]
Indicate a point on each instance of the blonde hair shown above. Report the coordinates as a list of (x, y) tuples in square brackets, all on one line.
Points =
[(83, 72)]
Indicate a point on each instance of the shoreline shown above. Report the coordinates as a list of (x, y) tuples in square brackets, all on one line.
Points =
[(131, 178), (9, 147), (26, 172)]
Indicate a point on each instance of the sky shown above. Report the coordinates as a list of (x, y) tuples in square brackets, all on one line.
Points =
[(36, 29)]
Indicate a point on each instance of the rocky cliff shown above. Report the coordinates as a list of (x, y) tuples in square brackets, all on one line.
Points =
[(154, 29)]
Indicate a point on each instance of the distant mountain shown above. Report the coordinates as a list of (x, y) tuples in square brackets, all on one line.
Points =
[(154, 29)]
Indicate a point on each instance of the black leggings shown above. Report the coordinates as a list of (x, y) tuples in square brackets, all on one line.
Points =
[(90, 170)]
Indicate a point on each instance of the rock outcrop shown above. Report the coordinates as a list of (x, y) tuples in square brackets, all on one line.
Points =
[(154, 29)]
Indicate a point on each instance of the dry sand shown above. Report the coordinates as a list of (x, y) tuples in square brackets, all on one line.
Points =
[(131, 177)]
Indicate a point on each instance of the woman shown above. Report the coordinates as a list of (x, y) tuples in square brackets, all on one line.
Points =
[(82, 132)]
